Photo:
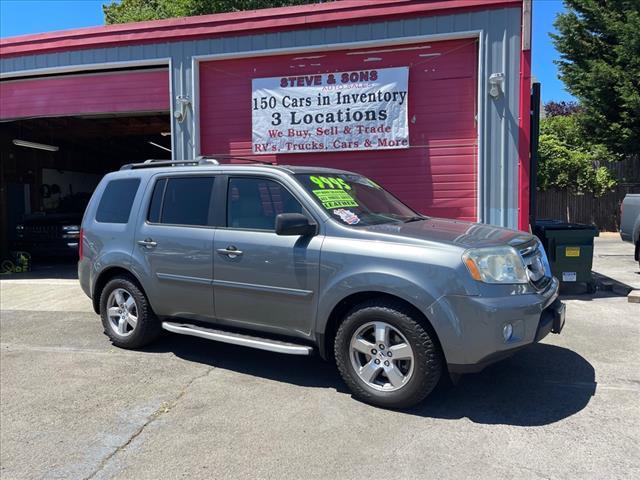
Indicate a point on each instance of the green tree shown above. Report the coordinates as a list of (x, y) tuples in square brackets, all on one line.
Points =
[(570, 161), (125, 11), (599, 45)]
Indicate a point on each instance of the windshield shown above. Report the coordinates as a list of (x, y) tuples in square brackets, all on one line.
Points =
[(355, 200)]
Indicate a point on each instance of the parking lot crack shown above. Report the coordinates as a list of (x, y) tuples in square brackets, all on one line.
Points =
[(163, 409)]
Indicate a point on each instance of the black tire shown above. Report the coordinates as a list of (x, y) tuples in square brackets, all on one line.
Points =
[(428, 367), (147, 328)]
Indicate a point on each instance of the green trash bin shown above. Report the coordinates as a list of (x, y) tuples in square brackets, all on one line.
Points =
[(569, 247)]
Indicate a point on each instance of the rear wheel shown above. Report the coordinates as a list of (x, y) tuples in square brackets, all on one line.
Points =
[(386, 356), (126, 315)]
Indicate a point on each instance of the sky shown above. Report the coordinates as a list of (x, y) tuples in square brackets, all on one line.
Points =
[(19, 17), (543, 53)]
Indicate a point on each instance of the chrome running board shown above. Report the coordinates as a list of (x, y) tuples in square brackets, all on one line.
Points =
[(238, 339)]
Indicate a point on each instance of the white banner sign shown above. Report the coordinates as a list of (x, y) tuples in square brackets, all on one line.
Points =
[(363, 110)]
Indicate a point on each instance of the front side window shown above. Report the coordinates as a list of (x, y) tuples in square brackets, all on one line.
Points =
[(254, 203), (355, 200), (117, 199), (181, 201)]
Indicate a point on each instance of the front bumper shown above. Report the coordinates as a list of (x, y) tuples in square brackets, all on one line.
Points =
[(480, 321)]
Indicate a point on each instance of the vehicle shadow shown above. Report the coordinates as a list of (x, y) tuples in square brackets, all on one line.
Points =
[(538, 386)]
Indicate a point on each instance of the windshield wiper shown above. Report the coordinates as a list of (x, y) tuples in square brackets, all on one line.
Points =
[(415, 218)]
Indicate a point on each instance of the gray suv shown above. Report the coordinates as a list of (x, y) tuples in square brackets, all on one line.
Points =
[(303, 260)]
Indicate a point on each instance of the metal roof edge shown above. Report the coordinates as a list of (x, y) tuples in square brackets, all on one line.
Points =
[(174, 29)]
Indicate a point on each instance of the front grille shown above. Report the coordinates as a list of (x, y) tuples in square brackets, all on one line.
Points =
[(41, 232), (535, 264)]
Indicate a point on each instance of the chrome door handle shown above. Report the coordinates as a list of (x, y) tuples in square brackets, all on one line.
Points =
[(230, 251), (147, 242)]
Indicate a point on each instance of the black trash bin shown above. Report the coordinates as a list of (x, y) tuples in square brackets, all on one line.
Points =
[(569, 247)]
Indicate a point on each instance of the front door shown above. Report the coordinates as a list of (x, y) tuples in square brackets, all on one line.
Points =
[(175, 244), (263, 280)]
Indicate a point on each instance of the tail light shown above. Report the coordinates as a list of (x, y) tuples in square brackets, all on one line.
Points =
[(81, 244)]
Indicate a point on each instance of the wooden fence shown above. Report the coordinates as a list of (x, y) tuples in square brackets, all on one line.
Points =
[(604, 212)]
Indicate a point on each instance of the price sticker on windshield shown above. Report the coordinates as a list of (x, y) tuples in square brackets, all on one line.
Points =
[(331, 199), (329, 182), (332, 192)]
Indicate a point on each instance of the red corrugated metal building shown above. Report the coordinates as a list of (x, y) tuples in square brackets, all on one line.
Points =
[(110, 95)]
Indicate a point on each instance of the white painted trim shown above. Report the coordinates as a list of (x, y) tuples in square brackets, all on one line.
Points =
[(84, 67)]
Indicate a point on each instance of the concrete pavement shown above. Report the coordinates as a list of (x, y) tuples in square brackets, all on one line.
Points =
[(73, 406), (615, 257)]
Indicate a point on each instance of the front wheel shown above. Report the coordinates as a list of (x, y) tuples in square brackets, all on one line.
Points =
[(386, 356)]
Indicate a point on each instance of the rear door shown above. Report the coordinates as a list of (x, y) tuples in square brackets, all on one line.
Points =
[(263, 280), (174, 244)]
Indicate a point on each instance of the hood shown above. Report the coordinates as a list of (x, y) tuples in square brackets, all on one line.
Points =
[(53, 219), (454, 232)]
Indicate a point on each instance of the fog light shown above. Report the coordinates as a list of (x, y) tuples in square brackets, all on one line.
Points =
[(507, 332)]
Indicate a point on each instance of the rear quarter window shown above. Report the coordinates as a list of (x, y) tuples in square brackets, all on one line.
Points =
[(117, 199)]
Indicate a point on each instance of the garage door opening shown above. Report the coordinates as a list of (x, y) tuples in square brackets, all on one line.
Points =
[(49, 169)]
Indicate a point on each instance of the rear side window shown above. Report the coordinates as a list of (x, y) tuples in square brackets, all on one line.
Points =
[(182, 201), (117, 199)]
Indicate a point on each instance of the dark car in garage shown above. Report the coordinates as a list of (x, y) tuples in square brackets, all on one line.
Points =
[(53, 233)]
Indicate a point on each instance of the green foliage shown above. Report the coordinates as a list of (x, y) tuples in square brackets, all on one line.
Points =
[(125, 11), (551, 109), (568, 160), (599, 43)]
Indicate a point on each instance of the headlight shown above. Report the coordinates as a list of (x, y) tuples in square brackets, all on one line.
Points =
[(19, 228), (495, 265)]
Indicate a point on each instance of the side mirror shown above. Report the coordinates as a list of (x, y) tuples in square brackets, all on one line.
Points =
[(294, 224)]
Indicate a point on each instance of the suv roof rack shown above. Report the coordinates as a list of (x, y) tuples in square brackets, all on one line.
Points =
[(151, 163), (229, 156)]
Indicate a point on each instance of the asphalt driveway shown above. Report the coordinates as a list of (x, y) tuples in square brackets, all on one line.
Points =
[(73, 406)]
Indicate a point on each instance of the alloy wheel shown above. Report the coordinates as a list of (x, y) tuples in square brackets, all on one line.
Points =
[(381, 356), (122, 312)]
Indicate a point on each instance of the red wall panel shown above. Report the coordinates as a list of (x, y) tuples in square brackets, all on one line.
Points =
[(437, 175), (142, 91)]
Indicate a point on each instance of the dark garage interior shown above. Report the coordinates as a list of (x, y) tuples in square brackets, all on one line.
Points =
[(50, 167)]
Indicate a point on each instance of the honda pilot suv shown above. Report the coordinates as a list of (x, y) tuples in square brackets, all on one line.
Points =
[(303, 260)]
